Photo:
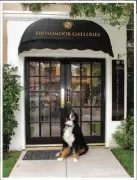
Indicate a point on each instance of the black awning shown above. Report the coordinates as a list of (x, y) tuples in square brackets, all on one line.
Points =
[(65, 34)]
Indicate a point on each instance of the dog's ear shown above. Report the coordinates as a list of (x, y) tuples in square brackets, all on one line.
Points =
[(76, 118)]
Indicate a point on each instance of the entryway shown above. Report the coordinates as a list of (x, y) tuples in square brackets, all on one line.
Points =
[(55, 85)]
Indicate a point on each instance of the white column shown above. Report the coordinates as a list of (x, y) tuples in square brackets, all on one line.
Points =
[(22, 104), (108, 111)]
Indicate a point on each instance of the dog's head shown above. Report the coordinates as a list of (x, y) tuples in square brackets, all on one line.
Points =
[(72, 118)]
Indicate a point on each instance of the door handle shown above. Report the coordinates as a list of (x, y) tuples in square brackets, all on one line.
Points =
[(62, 98)]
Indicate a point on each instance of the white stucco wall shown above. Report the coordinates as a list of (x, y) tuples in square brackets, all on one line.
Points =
[(17, 23)]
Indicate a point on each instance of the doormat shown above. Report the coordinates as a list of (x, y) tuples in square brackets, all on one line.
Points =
[(41, 155)]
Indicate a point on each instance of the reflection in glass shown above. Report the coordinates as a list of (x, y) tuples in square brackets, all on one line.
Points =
[(75, 84), (96, 131), (75, 99), (55, 129), (86, 129), (96, 91), (34, 68), (45, 84), (34, 99), (45, 114), (96, 69), (55, 69), (86, 100), (34, 114), (34, 128), (55, 98), (34, 84), (45, 99), (86, 84), (55, 114), (85, 69), (85, 114), (45, 69), (45, 130), (55, 83), (96, 114), (75, 69)]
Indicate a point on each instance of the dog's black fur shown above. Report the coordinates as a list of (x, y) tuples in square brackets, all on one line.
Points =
[(79, 142)]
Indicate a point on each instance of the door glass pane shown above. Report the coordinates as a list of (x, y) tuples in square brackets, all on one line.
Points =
[(55, 114), (55, 69), (55, 83), (34, 114), (76, 99), (45, 99), (45, 69), (34, 68), (55, 129), (86, 100), (45, 84), (34, 128), (75, 69), (86, 84), (55, 98), (86, 114), (75, 84), (86, 94), (96, 114), (96, 131), (34, 99), (86, 129), (96, 91), (85, 69), (45, 130), (45, 114), (34, 84), (96, 69)]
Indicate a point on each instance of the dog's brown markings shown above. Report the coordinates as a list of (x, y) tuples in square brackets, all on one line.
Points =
[(65, 152), (81, 150), (75, 155)]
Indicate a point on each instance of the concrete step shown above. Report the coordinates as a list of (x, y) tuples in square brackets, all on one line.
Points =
[(57, 146)]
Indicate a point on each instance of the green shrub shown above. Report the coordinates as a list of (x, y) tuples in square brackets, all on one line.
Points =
[(11, 96), (124, 135)]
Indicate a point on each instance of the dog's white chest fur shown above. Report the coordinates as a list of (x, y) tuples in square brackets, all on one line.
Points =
[(68, 135)]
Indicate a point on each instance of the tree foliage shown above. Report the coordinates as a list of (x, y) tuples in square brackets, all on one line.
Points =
[(114, 10), (35, 6), (124, 134), (11, 96)]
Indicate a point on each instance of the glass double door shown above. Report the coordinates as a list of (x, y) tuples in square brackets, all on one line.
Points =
[(55, 86)]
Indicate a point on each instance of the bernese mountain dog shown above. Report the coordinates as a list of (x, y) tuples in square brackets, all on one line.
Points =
[(73, 139)]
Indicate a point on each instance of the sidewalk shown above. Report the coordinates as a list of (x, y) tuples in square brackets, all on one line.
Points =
[(97, 163)]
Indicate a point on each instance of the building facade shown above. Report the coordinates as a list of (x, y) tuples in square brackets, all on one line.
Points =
[(66, 63)]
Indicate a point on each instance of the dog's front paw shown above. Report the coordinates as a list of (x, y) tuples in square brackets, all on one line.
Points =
[(75, 160), (57, 154), (59, 159)]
